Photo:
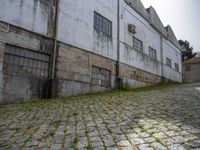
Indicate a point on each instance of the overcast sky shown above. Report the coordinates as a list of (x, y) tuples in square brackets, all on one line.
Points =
[(182, 15)]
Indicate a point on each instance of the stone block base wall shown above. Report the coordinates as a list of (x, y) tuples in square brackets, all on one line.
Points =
[(136, 77), (77, 71), (74, 71)]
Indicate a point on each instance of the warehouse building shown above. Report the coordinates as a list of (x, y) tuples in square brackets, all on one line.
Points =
[(59, 48)]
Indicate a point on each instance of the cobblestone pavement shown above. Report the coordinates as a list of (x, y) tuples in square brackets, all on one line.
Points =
[(157, 119)]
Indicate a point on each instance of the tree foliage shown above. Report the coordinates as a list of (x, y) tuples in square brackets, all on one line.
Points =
[(187, 50)]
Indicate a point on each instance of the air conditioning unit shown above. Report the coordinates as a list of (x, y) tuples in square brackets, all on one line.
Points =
[(132, 28)]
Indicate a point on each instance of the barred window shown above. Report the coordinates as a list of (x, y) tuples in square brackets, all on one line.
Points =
[(26, 62), (102, 24), (101, 77), (168, 62), (152, 53), (176, 67), (137, 44)]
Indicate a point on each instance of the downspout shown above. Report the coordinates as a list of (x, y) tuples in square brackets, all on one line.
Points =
[(53, 83), (118, 46), (55, 40), (161, 58)]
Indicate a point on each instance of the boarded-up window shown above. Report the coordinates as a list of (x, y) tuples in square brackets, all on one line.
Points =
[(26, 62), (101, 77)]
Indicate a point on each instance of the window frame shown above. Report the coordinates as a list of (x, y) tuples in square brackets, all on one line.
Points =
[(137, 44), (176, 65), (152, 53), (102, 24), (168, 62), (102, 76), (26, 62)]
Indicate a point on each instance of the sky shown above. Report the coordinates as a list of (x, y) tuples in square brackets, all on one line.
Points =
[(182, 15)]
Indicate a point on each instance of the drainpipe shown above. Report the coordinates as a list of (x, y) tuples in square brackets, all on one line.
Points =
[(53, 83), (161, 58), (118, 45), (55, 40)]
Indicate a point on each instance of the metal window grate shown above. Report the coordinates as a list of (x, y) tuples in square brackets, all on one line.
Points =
[(137, 44), (25, 62), (152, 53), (101, 77), (102, 24)]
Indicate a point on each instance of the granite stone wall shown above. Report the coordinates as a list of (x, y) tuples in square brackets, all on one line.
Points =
[(191, 72), (74, 71)]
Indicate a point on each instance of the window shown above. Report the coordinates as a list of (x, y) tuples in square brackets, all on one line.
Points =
[(101, 77), (152, 53), (176, 67), (187, 68), (168, 62), (102, 24), (137, 44), (25, 62)]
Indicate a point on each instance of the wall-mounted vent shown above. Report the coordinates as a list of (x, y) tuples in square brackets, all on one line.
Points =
[(132, 28), (4, 27)]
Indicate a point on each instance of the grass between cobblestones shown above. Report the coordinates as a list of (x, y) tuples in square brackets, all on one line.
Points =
[(108, 93), (165, 116)]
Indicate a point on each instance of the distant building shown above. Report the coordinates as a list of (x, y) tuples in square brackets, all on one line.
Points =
[(191, 70), (69, 47), (198, 54)]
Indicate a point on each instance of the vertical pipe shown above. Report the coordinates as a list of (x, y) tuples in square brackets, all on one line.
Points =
[(52, 84), (161, 59), (55, 40), (118, 45)]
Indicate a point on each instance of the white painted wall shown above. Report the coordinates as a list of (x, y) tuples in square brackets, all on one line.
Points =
[(76, 25), (29, 14), (76, 28), (173, 53), (146, 34), (171, 74)]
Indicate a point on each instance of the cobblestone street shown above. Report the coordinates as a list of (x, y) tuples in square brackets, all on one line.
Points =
[(168, 118)]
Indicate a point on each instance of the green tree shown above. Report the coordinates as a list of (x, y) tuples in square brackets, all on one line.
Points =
[(187, 50)]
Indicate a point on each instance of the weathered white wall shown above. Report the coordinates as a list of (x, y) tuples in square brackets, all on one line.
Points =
[(173, 53), (76, 28), (146, 34), (171, 74), (76, 25), (32, 15)]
